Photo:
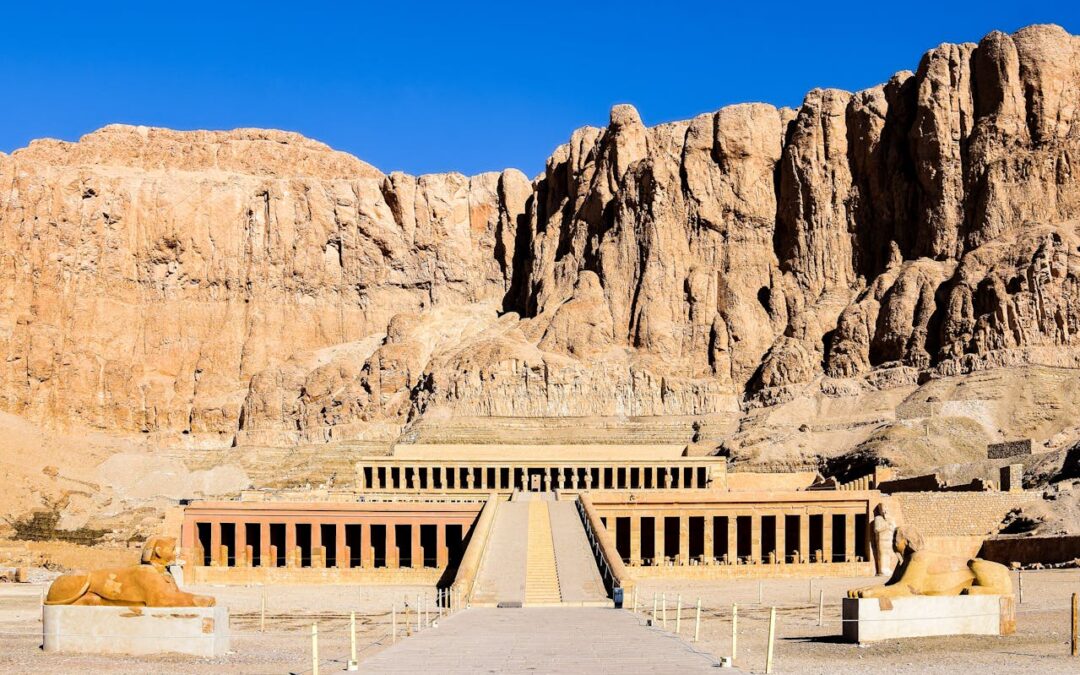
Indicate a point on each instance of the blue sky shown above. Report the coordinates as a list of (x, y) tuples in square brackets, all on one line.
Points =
[(452, 86)]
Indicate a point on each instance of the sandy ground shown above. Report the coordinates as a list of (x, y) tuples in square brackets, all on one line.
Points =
[(1040, 644)]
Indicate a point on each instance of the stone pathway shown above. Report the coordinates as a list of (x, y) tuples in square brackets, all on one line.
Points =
[(541, 576), (501, 577), (579, 578), (540, 640)]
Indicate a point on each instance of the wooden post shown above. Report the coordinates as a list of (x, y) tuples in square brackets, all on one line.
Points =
[(393, 630), (678, 615), (635, 599), (820, 607), (810, 592), (734, 631), (352, 665), (442, 599), (1020, 577), (697, 621), (759, 584), (314, 649), (663, 610), (1074, 624), (262, 614), (654, 608), (772, 639)]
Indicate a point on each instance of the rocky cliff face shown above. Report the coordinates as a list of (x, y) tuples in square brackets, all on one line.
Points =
[(255, 286)]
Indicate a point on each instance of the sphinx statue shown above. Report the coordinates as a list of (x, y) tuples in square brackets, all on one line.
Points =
[(923, 572), (148, 584)]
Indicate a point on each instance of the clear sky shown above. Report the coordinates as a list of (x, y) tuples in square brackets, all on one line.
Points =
[(465, 86)]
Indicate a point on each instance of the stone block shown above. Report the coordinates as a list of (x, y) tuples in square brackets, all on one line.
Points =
[(872, 619), (136, 631)]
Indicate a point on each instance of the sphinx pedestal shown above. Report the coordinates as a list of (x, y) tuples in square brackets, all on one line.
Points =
[(867, 620), (135, 631)]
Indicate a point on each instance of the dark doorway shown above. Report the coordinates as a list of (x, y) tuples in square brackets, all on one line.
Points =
[(791, 539), (303, 542), (697, 537), (228, 540), (428, 534), (329, 542), (860, 537), (277, 539), (648, 538), (253, 535), (455, 543), (202, 530), (403, 534), (720, 539), (671, 537), (817, 535), (378, 544), (768, 537), (622, 538), (743, 547), (839, 539), (353, 539)]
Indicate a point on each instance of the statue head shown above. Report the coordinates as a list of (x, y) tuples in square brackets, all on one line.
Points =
[(159, 550), (907, 540)]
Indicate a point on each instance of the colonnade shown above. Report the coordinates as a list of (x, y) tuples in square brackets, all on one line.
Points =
[(376, 537), (394, 475), (738, 536)]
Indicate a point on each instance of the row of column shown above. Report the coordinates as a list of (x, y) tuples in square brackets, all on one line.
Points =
[(243, 553), (679, 554), (402, 476)]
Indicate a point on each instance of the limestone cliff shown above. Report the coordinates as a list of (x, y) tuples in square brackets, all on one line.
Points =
[(256, 286)]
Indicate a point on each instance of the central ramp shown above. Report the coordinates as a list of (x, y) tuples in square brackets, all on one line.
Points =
[(538, 556), (541, 640)]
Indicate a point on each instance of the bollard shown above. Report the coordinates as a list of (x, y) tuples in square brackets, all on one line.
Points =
[(314, 649), (772, 638), (810, 592), (417, 612), (1020, 578), (820, 608), (654, 608), (697, 621), (734, 631), (635, 599), (759, 592), (353, 663), (1074, 624), (663, 610), (393, 630), (262, 614), (442, 599), (678, 615)]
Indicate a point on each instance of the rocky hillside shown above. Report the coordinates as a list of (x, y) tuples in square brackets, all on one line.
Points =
[(254, 286)]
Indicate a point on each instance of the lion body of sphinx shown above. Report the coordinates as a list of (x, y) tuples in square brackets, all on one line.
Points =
[(148, 584)]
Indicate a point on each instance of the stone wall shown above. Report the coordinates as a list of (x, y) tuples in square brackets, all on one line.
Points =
[(1047, 550), (959, 514), (1009, 449)]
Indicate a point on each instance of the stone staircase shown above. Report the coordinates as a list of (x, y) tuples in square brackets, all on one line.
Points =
[(538, 556), (541, 573)]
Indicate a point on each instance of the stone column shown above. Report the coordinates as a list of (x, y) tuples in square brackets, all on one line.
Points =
[(588, 478), (417, 549), (684, 540), (442, 552), (849, 537), (341, 558), (264, 546), (805, 553), (361, 482), (470, 477), (707, 537), (290, 544), (318, 558), (393, 556), (826, 536), (367, 551), (240, 545), (781, 537), (755, 538), (635, 539), (574, 477), (215, 545), (732, 538)]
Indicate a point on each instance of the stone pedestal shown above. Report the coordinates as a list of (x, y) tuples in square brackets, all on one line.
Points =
[(923, 616), (136, 631)]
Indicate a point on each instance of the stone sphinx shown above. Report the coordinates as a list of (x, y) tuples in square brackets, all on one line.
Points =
[(148, 584), (923, 572)]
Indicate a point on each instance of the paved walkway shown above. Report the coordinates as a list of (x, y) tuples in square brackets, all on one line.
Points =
[(579, 578), (501, 577), (540, 640)]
